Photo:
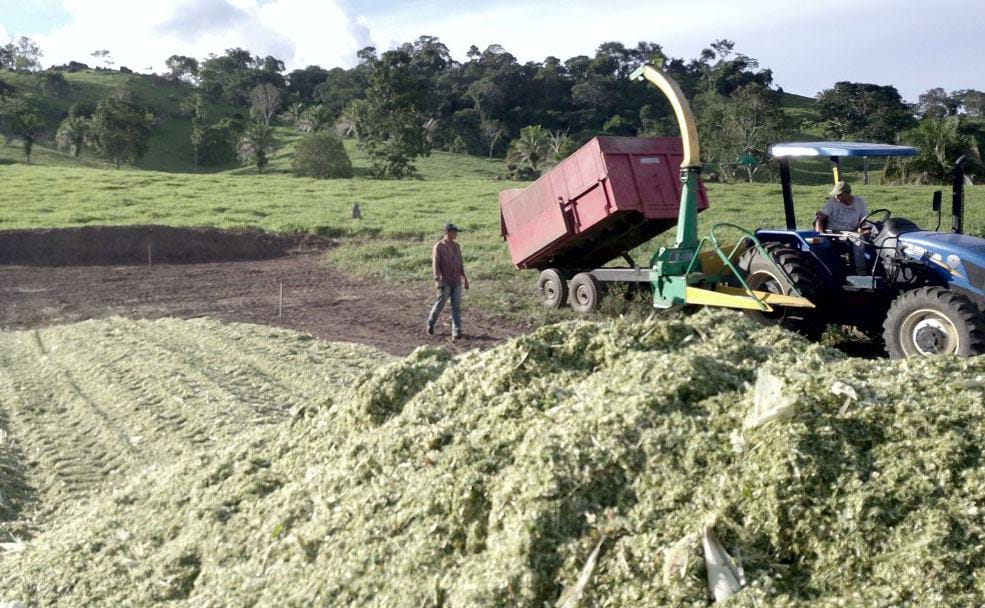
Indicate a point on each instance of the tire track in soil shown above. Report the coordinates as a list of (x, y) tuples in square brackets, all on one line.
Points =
[(169, 385), (18, 494), (142, 393), (71, 444), (89, 403)]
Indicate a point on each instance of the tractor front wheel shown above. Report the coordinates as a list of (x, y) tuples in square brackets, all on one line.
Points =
[(552, 288), (761, 274), (586, 293), (933, 321)]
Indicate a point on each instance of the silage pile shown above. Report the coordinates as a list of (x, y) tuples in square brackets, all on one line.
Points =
[(578, 465)]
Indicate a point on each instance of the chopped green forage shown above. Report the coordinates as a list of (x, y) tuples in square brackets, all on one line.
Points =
[(582, 462)]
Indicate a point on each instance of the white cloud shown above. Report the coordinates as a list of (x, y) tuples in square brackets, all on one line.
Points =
[(322, 33), (144, 34)]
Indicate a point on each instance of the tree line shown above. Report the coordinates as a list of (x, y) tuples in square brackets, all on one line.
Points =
[(402, 103)]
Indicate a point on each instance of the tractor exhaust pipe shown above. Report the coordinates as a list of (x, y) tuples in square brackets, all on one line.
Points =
[(957, 197)]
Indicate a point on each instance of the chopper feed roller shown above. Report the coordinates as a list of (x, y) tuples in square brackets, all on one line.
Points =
[(616, 193)]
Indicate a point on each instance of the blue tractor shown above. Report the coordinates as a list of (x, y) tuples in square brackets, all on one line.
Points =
[(922, 291)]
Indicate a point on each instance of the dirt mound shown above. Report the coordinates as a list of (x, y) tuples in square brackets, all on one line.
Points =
[(121, 245), (585, 461)]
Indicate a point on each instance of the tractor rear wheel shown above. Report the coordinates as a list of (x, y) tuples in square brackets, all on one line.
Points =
[(761, 275), (933, 321), (586, 293), (552, 288)]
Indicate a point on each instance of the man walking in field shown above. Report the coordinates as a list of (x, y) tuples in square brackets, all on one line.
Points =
[(449, 279)]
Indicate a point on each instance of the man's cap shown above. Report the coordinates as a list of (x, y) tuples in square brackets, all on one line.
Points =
[(841, 188), (449, 227)]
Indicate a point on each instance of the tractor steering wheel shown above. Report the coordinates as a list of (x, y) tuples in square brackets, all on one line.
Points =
[(884, 215)]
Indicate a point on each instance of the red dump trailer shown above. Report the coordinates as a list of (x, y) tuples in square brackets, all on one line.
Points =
[(612, 195)]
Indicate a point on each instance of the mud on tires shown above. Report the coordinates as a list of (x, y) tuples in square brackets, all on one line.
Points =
[(933, 321), (762, 275)]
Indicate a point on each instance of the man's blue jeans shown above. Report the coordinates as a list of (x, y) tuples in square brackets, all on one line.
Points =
[(445, 293)]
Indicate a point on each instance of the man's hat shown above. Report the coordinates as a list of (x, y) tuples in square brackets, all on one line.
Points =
[(449, 227), (841, 188)]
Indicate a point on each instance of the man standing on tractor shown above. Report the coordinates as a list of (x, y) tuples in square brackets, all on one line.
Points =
[(844, 212), (449, 279)]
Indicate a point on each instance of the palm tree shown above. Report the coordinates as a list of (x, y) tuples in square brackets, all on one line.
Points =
[(940, 142), (73, 134), (559, 140), (19, 121), (294, 112), (30, 128), (532, 148), (316, 118), (352, 117), (256, 144)]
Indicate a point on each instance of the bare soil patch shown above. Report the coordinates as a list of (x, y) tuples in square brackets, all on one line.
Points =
[(97, 245), (61, 276)]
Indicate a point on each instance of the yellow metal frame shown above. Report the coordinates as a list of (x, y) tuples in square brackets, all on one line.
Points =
[(708, 297), (682, 110)]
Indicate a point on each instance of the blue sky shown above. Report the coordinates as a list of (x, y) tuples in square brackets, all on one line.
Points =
[(41, 16), (809, 44)]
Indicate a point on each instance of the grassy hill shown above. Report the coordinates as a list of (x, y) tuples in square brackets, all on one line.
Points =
[(170, 145), (802, 112)]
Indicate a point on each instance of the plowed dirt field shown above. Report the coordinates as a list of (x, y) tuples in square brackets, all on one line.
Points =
[(62, 276)]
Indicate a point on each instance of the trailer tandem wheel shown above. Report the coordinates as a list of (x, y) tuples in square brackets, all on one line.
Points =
[(553, 289), (586, 293)]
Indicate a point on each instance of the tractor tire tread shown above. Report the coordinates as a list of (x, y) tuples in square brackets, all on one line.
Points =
[(962, 307), (800, 321)]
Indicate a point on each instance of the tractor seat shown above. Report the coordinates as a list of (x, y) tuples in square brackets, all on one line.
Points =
[(896, 226)]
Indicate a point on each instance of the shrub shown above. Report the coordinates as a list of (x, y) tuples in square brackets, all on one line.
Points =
[(322, 155), (218, 145), (53, 84)]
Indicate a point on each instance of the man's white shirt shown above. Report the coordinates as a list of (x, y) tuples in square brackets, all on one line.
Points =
[(842, 217)]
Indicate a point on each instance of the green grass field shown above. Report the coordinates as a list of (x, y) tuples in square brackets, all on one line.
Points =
[(401, 219)]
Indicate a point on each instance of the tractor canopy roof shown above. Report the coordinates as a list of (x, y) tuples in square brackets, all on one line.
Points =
[(828, 149)]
